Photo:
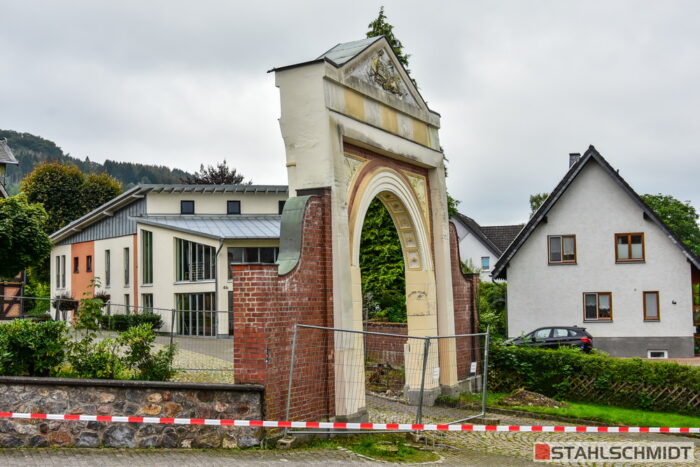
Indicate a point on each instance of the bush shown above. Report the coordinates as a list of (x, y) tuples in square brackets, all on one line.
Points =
[(632, 383), (29, 348), (66, 301), (124, 322)]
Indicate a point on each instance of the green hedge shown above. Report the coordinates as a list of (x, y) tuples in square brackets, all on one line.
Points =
[(124, 322), (29, 348), (552, 372)]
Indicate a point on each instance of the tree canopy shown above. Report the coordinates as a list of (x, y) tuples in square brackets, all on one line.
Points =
[(536, 201), (680, 217), (66, 193), (380, 27), (23, 240), (381, 261), (219, 175)]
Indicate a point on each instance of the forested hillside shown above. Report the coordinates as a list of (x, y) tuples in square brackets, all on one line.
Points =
[(31, 150)]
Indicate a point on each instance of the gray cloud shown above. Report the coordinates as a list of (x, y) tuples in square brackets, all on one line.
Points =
[(518, 84)]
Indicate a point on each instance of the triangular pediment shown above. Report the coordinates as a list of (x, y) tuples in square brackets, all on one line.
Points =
[(373, 63)]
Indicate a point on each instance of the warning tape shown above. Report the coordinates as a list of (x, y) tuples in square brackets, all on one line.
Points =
[(350, 426)]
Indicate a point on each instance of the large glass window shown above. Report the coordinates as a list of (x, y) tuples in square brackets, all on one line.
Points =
[(63, 271), (629, 247), (194, 261), (58, 272), (147, 256), (147, 302), (562, 249), (195, 314), (597, 306)]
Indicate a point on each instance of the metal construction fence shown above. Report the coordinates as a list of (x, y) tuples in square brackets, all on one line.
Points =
[(203, 338), (376, 377)]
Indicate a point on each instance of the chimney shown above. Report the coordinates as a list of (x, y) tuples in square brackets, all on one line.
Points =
[(573, 158)]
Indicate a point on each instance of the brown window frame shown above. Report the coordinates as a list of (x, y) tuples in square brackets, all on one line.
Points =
[(88, 263), (658, 305), (629, 248), (597, 294), (563, 261), (76, 265)]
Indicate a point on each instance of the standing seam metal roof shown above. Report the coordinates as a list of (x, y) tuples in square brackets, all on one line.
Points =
[(215, 226)]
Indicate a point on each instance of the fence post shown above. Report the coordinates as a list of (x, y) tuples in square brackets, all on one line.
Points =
[(172, 326), (485, 371), (426, 350), (291, 376)]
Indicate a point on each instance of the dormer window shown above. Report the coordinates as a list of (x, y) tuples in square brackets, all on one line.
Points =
[(187, 207)]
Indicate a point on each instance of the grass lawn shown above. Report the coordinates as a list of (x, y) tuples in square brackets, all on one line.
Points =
[(601, 413), (617, 416)]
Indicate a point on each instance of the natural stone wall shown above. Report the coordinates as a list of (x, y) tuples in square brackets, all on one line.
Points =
[(127, 398)]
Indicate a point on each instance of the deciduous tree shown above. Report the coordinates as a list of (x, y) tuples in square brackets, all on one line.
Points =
[(680, 217), (23, 240)]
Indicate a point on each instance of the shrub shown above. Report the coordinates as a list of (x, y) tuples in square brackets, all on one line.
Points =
[(124, 322), (29, 348), (623, 382), (64, 302), (149, 365)]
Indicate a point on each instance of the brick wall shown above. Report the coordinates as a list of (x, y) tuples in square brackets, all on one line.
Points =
[(465, 293), (384, 349), (265, 309)]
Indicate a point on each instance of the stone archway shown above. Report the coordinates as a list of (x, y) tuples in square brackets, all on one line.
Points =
[(348, 139)]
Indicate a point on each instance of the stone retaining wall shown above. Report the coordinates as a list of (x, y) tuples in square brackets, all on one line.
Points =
[(127, 398)]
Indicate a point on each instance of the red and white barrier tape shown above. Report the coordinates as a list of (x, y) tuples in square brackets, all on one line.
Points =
[(350, 426)]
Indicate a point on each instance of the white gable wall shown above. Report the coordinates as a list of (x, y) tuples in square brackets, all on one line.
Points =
[(595, 208), (472, 250)]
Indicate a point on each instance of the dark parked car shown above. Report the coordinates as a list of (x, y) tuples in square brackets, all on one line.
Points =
[(553, 337)]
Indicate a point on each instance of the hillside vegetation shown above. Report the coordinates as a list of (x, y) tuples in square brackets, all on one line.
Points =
[(31, 150)]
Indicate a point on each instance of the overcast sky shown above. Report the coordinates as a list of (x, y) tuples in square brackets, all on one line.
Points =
[(519, 84)]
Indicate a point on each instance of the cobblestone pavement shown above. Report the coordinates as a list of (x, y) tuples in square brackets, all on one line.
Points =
[(512, 445), (456, 448)]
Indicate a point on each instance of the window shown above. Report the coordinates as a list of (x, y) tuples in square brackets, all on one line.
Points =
[(147, 302), (108, 268), (63, 271), (542, 333), (187, 207), (147, 256), (195, 315), (126, 304), (76, 265), (194, 261), (280, 206), (58, 272), (657, 353), (560, 332), (88, 263), (233, 207), (562, 249), (651, 306), (126, 267), (244, 255), (629, 247), (485, 263), (597, 306)]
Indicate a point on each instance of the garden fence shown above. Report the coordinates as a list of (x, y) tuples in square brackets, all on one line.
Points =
[(376, 377)]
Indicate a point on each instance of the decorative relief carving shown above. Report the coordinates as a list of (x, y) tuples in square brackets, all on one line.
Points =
[(419, 189), (353, 164), (404, 225), (380, 72)]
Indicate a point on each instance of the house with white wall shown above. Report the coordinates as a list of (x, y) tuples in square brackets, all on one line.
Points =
[(169, 247), (480, 247), (595, 255)]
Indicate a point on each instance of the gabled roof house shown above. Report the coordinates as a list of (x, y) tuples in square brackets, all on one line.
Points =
[(480, 247), (6, 157), (596, 256)]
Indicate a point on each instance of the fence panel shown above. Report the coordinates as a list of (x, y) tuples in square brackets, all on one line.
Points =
[(377, 377)]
